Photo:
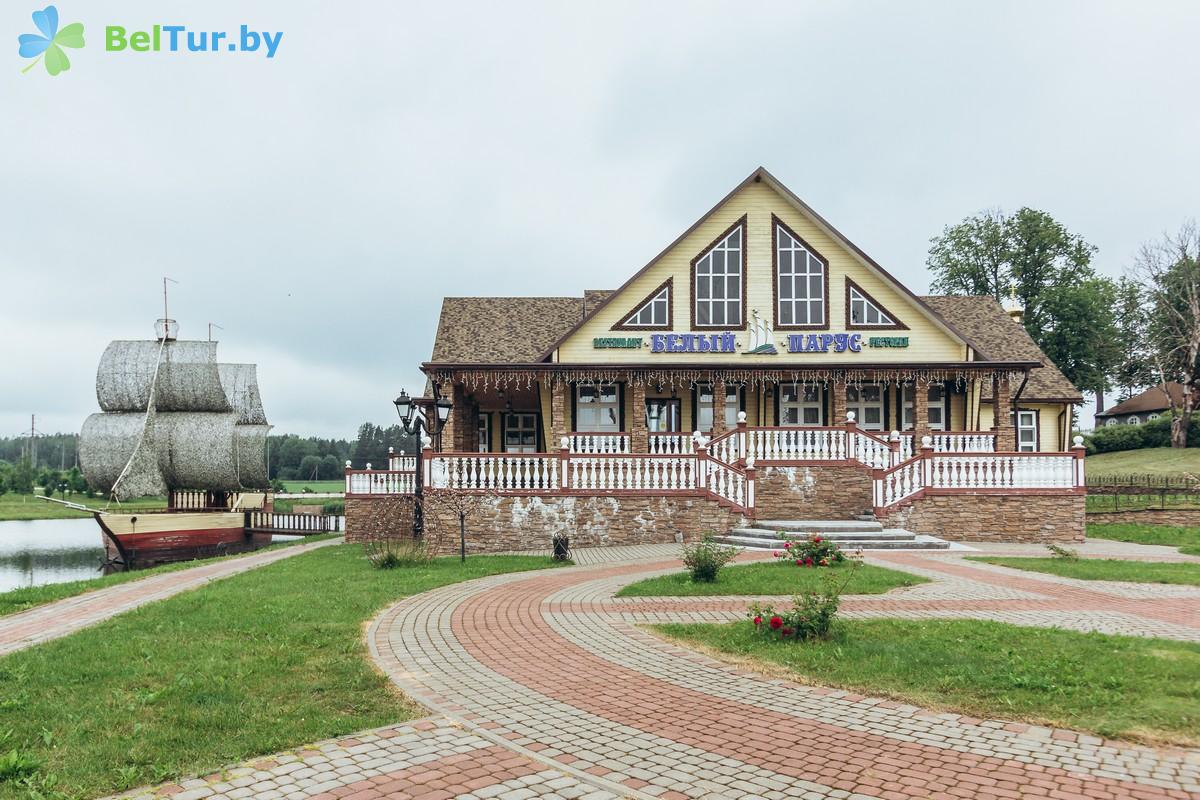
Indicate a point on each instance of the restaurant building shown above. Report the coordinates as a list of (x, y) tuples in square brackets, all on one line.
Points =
[(760, 366)]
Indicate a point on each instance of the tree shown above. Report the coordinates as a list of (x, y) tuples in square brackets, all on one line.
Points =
[(1169, 273), (1134, 369), (310, 468), (21, 479), (1049, 269)]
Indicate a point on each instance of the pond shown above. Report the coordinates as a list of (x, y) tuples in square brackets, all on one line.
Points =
[(34, 552), (40, 551)]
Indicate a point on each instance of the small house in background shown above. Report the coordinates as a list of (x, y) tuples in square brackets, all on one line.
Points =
[(1149, 405)]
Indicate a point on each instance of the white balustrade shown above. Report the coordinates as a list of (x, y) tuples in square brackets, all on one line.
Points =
[(599, 443), (495, 472), (726, 448), (898, 483), (986, 471), (632, 473), (965, 442), (870, 451), (726, 482), (796, 444), (402, 463), (381, 482), (670, 444)]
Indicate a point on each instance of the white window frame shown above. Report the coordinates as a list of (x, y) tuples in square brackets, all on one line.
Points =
[(858, 300), (801, 269), (526, 431), (704, 409), (803, 392), (933, 404), (731, 275), (1111, 421), (1027, 422), (1152, 417), (659, 308), (601, 415), (484, 432), (1133, 419), (856, 402)]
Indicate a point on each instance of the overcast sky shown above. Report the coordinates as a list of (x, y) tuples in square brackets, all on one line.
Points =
[(318, 205)]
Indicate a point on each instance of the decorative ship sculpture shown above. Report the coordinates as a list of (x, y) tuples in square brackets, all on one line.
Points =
[(175, 422)]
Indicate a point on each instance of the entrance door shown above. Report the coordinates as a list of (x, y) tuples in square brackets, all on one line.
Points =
[(520, 433), (800, 405), (663, 415)]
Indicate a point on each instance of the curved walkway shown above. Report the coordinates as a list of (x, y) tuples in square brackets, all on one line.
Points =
[(61, 617), (543, 686)]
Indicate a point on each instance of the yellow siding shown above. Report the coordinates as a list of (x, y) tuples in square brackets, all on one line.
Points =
[(927, 341)]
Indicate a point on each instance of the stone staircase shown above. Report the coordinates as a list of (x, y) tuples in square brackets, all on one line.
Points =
[(865, 532)]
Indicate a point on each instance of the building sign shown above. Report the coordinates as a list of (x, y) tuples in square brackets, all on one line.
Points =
[(617, 343), (760, 342), (692, 343)]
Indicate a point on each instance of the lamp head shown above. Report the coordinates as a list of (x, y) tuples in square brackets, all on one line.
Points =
[(404, 406), (443, 405)]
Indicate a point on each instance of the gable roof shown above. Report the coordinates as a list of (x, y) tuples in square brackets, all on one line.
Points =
[(1001, 339), (762, 175), (1153, 399)]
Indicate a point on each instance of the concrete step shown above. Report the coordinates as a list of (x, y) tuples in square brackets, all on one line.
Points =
[(910, 543), (818, 525), (832, 536)]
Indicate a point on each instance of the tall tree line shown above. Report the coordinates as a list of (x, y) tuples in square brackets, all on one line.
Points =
[(1140, 330)]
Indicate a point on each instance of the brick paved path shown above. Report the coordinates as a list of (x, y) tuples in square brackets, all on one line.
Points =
[(52, 620), (542, 685)]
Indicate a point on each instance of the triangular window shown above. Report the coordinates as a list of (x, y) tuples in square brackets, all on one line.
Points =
[(653, 312), (864, 311)]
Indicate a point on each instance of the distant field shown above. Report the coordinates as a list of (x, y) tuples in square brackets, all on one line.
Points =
[(1150, 461), (25, 506), (314, 486)]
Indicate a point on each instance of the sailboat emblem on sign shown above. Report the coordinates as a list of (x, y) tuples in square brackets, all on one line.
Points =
[(761, 337)]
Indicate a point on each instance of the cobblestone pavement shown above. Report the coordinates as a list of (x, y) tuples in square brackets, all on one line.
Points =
[(543, 685), (52, 620)]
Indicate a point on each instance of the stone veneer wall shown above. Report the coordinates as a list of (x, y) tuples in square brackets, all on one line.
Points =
[(1173, 517), (378, 517), (529, 522), (1003, 518), (815, 492)]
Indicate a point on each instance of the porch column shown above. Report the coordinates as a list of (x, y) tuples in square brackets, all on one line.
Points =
[(718, 427), (639, 437), (453, 436), (920, 411), (838, 403), (1002, 421), (560, 409)]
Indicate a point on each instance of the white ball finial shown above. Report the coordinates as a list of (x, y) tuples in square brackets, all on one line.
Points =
[(368, 465), (1078, 440), (894, 436), (741, 416), (347, 465), (750, 462), (697, 436), (391, 450), (926, 441), (849, 416), (565, 443)]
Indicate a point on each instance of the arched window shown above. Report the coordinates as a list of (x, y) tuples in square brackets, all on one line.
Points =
[(1111, 421), (1152, 417), (1133, 420)]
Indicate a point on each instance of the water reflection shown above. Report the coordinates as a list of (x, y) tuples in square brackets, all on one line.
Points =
[(34, 552)]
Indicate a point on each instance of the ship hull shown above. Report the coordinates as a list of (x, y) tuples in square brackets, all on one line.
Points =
[(136, 541)]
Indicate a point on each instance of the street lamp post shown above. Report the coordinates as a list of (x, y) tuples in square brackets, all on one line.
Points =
[(413, 421)]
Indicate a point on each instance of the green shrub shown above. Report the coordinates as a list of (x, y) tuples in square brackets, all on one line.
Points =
[(815, 551), (334, 507), (1112, 438), (392, 552), (812, 614), (705, 559)]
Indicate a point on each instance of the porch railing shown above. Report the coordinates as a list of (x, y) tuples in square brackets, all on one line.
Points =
[(631, 473), (599, 443), (670, 444), (496, 471), (381, 481)]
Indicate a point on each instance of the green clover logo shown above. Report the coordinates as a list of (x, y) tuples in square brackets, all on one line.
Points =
[(50, 42)]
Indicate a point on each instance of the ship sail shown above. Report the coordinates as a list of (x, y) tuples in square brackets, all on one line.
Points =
[(172, 417)]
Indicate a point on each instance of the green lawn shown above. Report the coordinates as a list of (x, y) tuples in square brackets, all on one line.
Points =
[(26, 506), (316, 486), (1186, 539), (1148, 461), (1114, 686), (769, 578), (21, 599), (249, 665), (1103, 569)]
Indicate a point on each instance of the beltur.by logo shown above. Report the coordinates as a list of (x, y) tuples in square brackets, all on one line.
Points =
[(175, 38), (47, 47)]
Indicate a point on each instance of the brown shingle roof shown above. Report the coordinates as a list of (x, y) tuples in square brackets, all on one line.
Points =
[(987, 324), (1153, 399), (502, 330)]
